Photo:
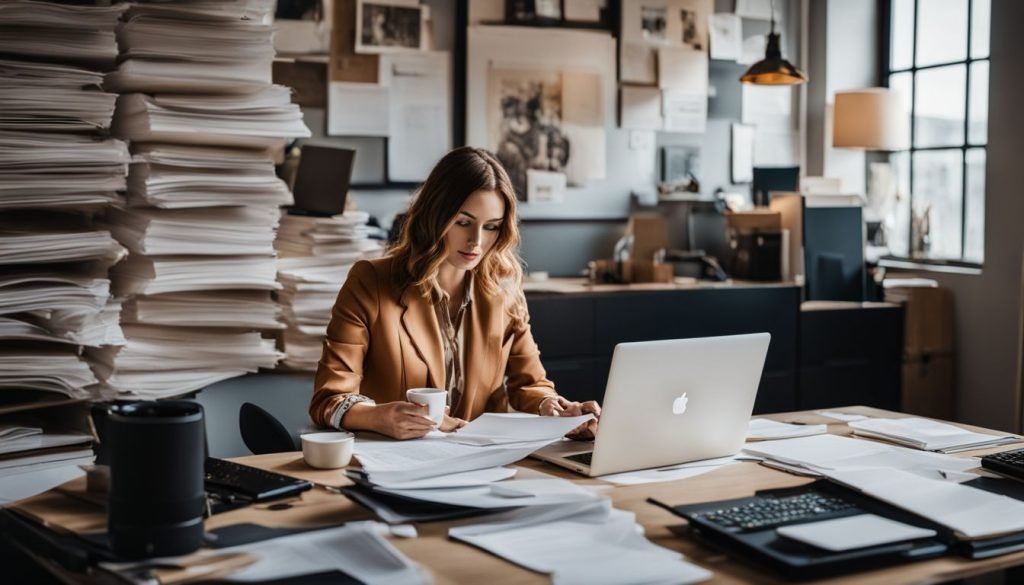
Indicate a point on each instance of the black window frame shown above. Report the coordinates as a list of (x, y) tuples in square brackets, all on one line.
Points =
[(885, 70)]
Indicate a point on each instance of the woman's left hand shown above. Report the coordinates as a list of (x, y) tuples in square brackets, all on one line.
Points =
[(558, 406), (450, 423)]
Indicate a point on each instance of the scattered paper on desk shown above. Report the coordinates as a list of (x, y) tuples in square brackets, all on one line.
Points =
[(845, 417), (853, 532), (454, 480), (669, 473), (401, 461), (972, 512), (588, 542), (763, 429), (927, 434), (503, 429), (503, 494)]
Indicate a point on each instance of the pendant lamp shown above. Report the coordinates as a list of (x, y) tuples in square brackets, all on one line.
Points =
[(773, 69)]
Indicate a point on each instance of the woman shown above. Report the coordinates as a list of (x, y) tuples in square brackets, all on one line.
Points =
[(445, 309)]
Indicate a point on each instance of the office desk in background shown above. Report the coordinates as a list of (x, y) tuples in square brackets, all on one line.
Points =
[(452, 562)]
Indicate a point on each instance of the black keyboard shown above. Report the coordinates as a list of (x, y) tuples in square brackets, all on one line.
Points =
[(1008, 463), (250, 483), (583, 458), (769, 512)]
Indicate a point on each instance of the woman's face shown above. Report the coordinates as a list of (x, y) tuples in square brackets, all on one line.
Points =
[(476, 228)]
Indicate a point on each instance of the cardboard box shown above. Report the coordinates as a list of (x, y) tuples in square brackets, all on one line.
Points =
[(928, 386), (650, 234), (928, 319), (755, 220)]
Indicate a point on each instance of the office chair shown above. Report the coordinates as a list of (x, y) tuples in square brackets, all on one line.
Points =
[(261, 432)]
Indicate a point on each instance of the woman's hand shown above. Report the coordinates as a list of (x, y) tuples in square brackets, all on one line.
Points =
[(402, 420), (450, 423), (558, 406)]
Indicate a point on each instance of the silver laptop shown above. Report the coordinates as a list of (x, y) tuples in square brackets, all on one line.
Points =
[(670, 402)]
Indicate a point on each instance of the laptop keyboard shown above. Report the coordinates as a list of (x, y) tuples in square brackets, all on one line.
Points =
[(583, 458), (769, 512)]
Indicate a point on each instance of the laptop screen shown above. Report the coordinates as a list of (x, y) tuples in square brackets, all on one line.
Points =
[(322, 179)]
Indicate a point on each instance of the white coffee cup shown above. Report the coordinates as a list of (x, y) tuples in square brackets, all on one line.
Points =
[(435, 399), (327, 450)]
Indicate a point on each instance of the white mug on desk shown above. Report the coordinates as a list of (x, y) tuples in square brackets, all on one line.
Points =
[(434, 398), (328, 450)]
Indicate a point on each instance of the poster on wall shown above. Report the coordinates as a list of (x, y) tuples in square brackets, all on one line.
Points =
[(647, 25), (388, 26)]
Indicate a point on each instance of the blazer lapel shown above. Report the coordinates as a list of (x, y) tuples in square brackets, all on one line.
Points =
[(420, 322)]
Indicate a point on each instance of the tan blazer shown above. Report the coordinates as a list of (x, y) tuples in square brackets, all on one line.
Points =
[(382, 341)]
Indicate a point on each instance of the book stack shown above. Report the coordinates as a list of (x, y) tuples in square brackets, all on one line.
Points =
[(316, 254), (59, 170), (202, 117)]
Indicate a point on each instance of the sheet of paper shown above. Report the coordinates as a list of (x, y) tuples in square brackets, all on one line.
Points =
[(400, 461), (420, 117), (726, 36), (742, 163), (753, 49), (358, 109), (503, 494), (641, 108), (465, 479), (763, 429), (496, 429), (683, 68), (843, 416), (927, 434), (583, 10), (853, 532), (588, 154), (972, 512), (670, 473), (581, 99), (685, 111), (637, 63), (545, 186), (759, 9), (23, 485), (589, 542)]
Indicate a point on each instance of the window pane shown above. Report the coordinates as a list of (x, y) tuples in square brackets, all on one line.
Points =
[(902, 35), (938, 211), (981, 21), (902, 83), (978, 100), (975, 220), (897, 222), (939, 106), (941, 31)]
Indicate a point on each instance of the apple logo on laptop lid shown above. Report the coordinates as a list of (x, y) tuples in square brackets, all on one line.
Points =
[(679, 404)]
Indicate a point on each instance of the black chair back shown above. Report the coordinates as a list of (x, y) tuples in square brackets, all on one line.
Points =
[(261, 432)]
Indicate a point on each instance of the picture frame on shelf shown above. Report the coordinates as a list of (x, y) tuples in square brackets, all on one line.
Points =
[(389, 26)]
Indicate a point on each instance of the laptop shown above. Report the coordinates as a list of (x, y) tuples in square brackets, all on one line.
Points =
[(322, 180), (670, 402)]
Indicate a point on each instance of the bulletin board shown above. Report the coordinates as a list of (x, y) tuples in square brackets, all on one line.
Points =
[(499, 55)]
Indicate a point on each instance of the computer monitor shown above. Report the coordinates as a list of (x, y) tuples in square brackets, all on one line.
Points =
[(768, 179), (322, 179), (834, 253)]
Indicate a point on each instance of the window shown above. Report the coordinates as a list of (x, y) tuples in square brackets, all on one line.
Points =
[(939, 61)]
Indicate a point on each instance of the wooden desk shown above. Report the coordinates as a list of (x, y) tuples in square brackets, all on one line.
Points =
[(456, 563)]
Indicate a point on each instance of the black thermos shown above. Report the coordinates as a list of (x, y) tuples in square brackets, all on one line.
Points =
[(157, 456)]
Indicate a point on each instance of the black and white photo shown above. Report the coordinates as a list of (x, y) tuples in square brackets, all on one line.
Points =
[(385, 27), (526, 123), (653, 22)]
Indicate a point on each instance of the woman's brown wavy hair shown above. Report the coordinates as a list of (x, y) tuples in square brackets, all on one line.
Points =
[(420, 250)]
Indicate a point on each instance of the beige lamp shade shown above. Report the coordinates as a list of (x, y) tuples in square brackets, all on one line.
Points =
[(870, 119)]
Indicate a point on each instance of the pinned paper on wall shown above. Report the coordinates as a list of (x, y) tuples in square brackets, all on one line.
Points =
[(581, 99), (646, 26), (684, 110), (758, 9), (545, 186), (420, 119), (358, 109), (587, 155), (753, 49), (641, 108), (726, 32), (682, 68), (742, 153)]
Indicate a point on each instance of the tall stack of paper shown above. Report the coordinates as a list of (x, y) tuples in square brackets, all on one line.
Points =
[(201, 114), (316, 255), (58, 169)]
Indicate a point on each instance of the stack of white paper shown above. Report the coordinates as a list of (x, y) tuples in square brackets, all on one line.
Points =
[(159, 362), (584, 542), (823, 454), (515, 429), (72, 309), (927, 434), (162, 274), (55, 371), (389, 462), (248, 309), (763, 429), (61, 32), (217, 231), (316, 255), (179, 176)]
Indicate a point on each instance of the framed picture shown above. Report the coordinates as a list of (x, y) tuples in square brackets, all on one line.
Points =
[(680, 164), (389, 26), (533, 11)]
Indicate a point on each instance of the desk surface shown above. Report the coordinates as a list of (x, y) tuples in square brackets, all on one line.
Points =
[(453, 562)]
